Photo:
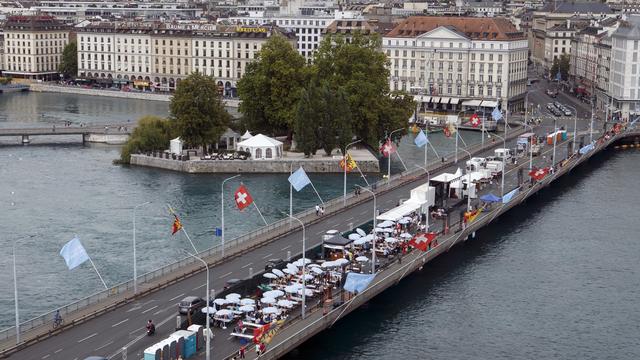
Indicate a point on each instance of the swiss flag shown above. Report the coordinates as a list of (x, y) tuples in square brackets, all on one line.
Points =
[(243, 198), (475, 120), (422, 241), (539, 174), (387, 148)]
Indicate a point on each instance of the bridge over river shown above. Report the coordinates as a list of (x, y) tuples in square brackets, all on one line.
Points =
[(111, 133), (112, 322)]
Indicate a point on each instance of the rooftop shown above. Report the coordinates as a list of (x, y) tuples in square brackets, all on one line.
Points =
[(473, 27), (33, 23), (578, 7)]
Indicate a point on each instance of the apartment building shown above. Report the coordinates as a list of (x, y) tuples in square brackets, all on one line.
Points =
[(158, 56), (624, 80), (33, 46), (458, 62)]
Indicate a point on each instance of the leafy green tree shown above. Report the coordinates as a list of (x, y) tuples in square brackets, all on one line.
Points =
[(198, 112), (306, 123), (271, 87), (335, 121), (152, 133), (69, 61), (359, 68), (562, 64)]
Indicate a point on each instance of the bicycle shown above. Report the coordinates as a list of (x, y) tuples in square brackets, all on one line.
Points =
[(57, 322)]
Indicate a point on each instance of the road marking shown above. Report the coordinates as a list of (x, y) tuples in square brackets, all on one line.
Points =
[(163, 310), (230, 337), (148, 302), (149, 309), (46, 356), (225, 275), (120, 323), (173, 298), (266, 256), (320, 232), (105, 345), (136, 330), (199, 287), (247, 265), (349, 219), (134, 308), (57, 351), (286, 247), (364, 212), (88, 337)]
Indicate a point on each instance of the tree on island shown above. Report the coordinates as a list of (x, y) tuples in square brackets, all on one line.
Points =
[(198, 112), (271, 87), (69, 60), (151, 133), (307, 120)]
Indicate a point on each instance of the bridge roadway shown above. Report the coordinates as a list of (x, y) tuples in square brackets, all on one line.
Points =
[(108, 333), (69, 130)]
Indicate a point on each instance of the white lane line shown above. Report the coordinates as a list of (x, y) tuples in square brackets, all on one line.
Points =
[(364, 212), (320, 232), (266, 256), (229, 338), (46, 356), (149, 309), (199, 287), (120, 323), (349, 219), (175, 297), (134, 308), (88, 337), (249, 264), (57, 351), (105, 345), (225, 275), (286, 247), (163, 310), (136, 330)]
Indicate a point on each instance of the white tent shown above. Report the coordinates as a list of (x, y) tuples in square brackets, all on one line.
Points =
[(261, 147), (175, 146), (247, 135)]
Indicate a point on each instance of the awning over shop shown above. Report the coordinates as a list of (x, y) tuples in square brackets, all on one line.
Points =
[(471, 102), (444, 100), (435, 99), (489, 103), (422, 98), (454, 101), (140, 83)]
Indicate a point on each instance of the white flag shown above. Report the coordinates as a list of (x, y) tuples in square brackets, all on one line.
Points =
[(74, 253)]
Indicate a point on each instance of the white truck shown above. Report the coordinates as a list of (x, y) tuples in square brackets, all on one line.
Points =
[(495, 166), (501, 153)]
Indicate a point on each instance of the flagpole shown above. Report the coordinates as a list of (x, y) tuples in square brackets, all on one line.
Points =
[(344, 166), (389, 157), (188, 238), (314, 189), (456, 156), (402, 162), (362, 175), (222, 208), (96, 269), (425, 147), (259, 212), (290, 194)]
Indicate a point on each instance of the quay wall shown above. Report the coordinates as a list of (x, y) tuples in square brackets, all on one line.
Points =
[(328, 165)]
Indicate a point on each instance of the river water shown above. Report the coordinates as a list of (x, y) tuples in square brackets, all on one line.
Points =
[(559, 279)]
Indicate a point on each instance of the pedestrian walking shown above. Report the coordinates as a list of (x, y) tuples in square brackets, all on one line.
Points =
[(241, 352), (258, 349), (317, 210), (322, 211), (263, 347)]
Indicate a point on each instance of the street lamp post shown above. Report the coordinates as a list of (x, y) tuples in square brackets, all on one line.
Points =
[(575, 126), (389, 159), (428, 181), (469, 181), (530, 145), (373, 241), (457, 134), (504, 146), (222, 208), (208, 349), (15, 290), (135, 261), (304, 265), (344, 160)]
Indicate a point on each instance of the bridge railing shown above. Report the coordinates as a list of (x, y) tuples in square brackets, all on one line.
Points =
[(237, 245)]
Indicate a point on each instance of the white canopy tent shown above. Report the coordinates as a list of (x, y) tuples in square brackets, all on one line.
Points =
[(175, 146), (422, 197), (261, 147)]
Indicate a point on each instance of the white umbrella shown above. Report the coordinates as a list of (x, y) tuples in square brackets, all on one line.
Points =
[(293, 288), (332, 232), (361, 232), (360, 241), (273, 294), (270, 310), (379, 230), (354, 236), (391, 240), (302, 261), (385, 224), (328, 264), (362, 259), (270, 276), (208, 310), (233, 296), (268, 300), (307, 277), (406, 236), (341, 261), (285, 303), (290, 271), (220, 301), (223, 312), (233, 301), (307, 292), (316, 270), (292, 266), (247, 301), (277, 272), (404, 221), (246, 308), (313, 265)]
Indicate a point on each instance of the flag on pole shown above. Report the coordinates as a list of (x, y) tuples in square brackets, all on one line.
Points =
[(475, 120), (356, 283), (258, 333), (177, 225), (508, 196), (422, 241), (243, 198), (449, 129), (299, 179), (387, 148), (350, 164), (496, 114), (469, 216), (218, 232), (74, 253), (539, 174), (421, 139)]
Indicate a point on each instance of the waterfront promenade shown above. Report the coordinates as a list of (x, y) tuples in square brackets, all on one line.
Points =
[(162, 303)]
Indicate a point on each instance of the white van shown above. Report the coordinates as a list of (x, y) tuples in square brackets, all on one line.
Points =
[(501, 153), (495, 167)]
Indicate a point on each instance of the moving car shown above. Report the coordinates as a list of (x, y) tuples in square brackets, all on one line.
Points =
[(190, 304), (552, 93), (274, 264)]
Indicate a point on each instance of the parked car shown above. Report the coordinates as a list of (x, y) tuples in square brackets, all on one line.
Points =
[(231, 283), (552, 93), (190, 304), (274, 264)]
